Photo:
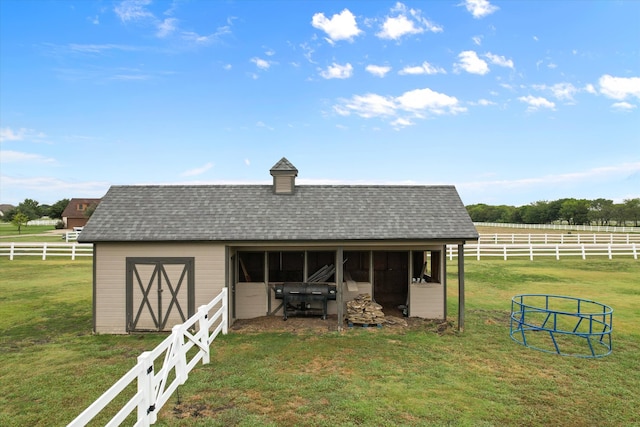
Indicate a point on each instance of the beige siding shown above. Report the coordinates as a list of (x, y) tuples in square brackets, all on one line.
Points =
[(284, 184), (426, 300), (110, 276), (251, 300)]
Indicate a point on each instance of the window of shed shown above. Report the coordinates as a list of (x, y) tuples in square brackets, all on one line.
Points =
[(286, 266), (251, 266), (319, 262), (426, 266), (356, 265)]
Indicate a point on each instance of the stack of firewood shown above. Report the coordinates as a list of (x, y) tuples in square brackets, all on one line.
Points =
[(363, 310)]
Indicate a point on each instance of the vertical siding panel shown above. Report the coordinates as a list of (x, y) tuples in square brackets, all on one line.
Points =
[(110, 276)]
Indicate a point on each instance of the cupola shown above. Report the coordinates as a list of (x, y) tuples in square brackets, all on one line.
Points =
[(284, 177)]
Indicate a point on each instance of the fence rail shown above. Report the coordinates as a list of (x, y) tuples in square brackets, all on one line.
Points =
[(155, 388), (559, 238), (508, 250), (502, 245), (46, 249), (592, 228)]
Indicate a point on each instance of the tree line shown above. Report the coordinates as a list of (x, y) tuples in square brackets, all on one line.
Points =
[(34, 210), (569, 211)]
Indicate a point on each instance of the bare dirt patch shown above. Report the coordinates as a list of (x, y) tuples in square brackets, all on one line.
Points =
[(306, 325)]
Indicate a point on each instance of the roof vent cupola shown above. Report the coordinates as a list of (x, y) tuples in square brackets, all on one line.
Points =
[(284, 177)]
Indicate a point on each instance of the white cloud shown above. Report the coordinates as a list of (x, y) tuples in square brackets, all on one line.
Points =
[(337, 71), (623, 106), (263, 64), (247, 162), (166, 27), (378, 70), (198, 171), (535, 103), (477, 40), (499, 60), (342, 26), (429, 100), (133, 10), (262, 124), (48, 189), (596, 175), (418, 103), (367, 106), (403, 21), (401, 122), (485, 102), (8, 134), (589, 88), (205, 39), (560, 91), (480, 8), (471, 63), (99, 48), (619, 87), (564, 91), (7, 156), (425, 68)]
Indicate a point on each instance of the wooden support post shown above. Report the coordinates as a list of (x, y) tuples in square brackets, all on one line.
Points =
[(461, 288), (339, 279)]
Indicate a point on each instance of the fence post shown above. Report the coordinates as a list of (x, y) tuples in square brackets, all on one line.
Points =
[(73, 252), (44, 251), (530, 252), (478, 251), (145, 387), (204, 333), (557, 252), (505, 252), (584, 255), (11, 251), (609, 247), (182, 373), (225, 312), (635, 253)]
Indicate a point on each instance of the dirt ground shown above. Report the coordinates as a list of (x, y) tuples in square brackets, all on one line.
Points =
[(315, 324)]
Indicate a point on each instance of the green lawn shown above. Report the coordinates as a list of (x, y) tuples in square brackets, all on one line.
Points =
[(28, 233), (52, 367)]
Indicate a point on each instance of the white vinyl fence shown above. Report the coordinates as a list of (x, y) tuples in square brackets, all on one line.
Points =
[(155, 388), (592, 228), (559, 238), (508, 250), (489, 245), (46, 249)]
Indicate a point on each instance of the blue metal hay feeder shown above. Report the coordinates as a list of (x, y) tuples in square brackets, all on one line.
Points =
[(563, 325)]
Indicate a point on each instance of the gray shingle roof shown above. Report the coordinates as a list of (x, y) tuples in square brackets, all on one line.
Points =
[(284, 165), (255, 213)]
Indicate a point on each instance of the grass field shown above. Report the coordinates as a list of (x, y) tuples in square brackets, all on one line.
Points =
[(52, 367), (28, 233)]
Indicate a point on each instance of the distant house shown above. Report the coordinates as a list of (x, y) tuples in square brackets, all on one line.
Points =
[(76, 212), (5, 208), (161, 251)]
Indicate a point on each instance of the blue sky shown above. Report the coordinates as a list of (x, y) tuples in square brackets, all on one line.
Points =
[(511, 101)]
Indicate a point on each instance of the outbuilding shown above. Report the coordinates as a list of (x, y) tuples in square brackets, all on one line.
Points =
[(160, 251)]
